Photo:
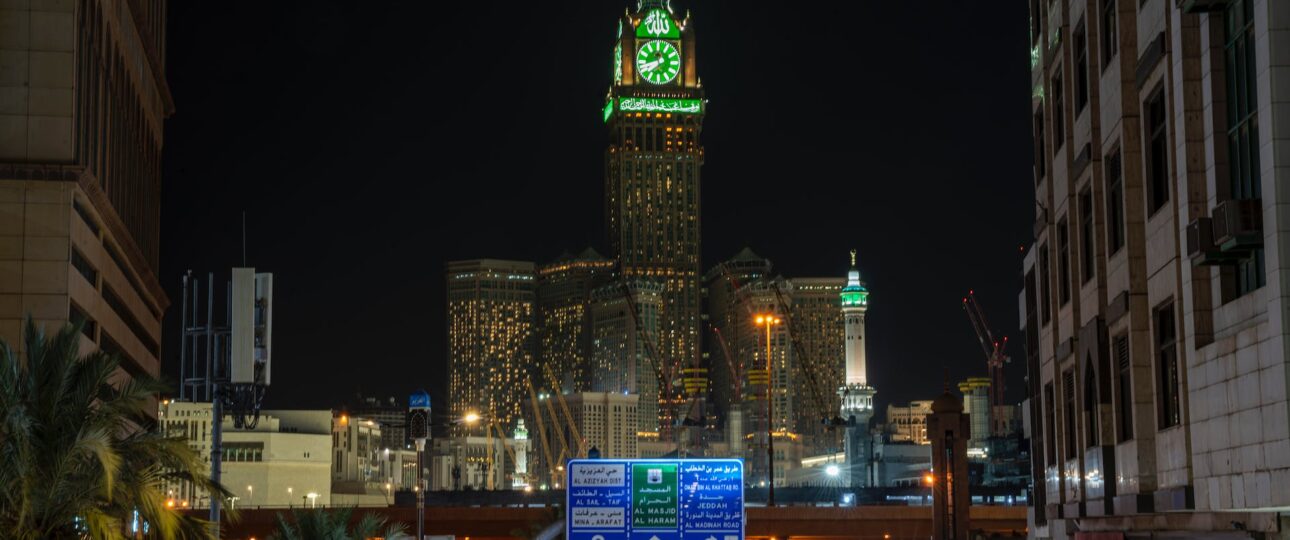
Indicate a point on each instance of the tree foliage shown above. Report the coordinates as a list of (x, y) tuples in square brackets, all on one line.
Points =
[(79, 457)]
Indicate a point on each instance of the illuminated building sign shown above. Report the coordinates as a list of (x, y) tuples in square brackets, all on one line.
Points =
[(678, 106), (658, 24), (609, 109)]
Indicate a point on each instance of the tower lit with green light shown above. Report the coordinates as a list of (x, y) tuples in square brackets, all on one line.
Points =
[(653, 113), (856, 394)]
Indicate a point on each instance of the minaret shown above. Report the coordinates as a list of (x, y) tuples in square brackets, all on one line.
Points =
[(856, 394)]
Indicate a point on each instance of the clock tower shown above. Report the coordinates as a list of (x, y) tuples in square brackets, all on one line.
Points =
[(654, 114)]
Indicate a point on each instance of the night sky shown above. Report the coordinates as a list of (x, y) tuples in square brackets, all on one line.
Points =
[(370, 142)]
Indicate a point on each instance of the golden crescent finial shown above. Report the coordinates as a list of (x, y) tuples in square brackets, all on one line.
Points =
[(853, 258)]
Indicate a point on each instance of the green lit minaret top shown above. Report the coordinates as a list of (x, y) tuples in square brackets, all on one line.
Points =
[(854, 294)]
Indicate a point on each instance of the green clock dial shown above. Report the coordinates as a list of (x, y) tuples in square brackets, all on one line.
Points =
[(658, 62)]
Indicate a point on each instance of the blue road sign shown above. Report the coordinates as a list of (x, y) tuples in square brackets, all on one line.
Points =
[(654, 499)]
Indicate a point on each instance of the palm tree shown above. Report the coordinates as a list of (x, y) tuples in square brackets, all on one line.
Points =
[(77, 457), (321, 524)]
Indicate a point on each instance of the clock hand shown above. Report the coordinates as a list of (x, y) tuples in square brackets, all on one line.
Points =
[(651, 65)]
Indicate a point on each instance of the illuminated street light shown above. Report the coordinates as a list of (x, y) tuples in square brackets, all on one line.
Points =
[(832, 470), (769, 320)]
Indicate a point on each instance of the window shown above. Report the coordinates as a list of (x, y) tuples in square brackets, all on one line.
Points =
[(84, 268), (1124, 386), (1041, 154), (1167, 367), (1063, 262), (1068, 410), (1059, 112), (1045, 297), (1157, 152), (1114, 203), (79, 319), (1081, 68), (1243, 128), (1090, 404), (1050, 425), (1086, 253), (1110, 32)]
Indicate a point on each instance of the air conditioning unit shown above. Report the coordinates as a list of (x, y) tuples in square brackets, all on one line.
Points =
[(1238, 225), (1200, 245), (1200, 6)]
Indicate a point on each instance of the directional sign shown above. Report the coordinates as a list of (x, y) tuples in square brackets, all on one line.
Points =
[(655, 499)]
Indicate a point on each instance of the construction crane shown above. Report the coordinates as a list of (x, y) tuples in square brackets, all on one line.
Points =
[(662, 371), (568, 416), (995, 349), (735, 378), (541, 427)]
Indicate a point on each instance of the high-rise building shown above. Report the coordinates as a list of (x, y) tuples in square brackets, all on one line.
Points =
[(909, 423), (490, 337), (564, 316), (730, 322), (1155, 299), (624, 320), (83, 99), (607, 422), (856, 395), (820, 333), (654, 115)]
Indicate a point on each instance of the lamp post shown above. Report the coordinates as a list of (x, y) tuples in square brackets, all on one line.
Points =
[(250, 495), (769, 321), (288, 497)]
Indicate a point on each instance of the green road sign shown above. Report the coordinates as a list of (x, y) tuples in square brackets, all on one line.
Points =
[(654, 496)]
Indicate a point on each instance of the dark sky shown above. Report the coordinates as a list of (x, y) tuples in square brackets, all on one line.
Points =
[(370, 142)]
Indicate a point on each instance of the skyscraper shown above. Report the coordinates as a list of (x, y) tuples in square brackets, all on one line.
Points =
[(654, 115), (490, 337), (564, 316), (729, 323), (621, 344), (83, 99), (817, 324)]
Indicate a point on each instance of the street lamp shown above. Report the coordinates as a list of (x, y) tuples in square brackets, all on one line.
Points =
[(250, 494), (288, 496), (769, 321)]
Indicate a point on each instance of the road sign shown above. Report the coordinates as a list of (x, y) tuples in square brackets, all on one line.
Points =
[(655, 499)]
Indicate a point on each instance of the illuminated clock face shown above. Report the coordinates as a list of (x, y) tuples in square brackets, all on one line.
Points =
[(658, 62)]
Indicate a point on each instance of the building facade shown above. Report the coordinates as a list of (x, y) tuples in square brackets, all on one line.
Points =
[(285, 460), (1155, 291), (909, 423), (976, 405), (817, 326), (564, 316), (625, 321), (856, 394), (729, 320), (607, 422), (654, 116), (391, 414), (83, 99), (490, 337)]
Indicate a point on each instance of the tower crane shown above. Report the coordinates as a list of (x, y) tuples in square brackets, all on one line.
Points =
[(995, 349)]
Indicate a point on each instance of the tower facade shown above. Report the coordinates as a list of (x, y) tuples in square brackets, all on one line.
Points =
[(563, 321), (654, 113), (490, 337), (856, 395)]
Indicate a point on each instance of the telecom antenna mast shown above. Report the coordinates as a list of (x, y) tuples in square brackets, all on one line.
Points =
[(226, 365)]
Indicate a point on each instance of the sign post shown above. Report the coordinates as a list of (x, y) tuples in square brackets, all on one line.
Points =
[(418, 425), (655, 499)]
